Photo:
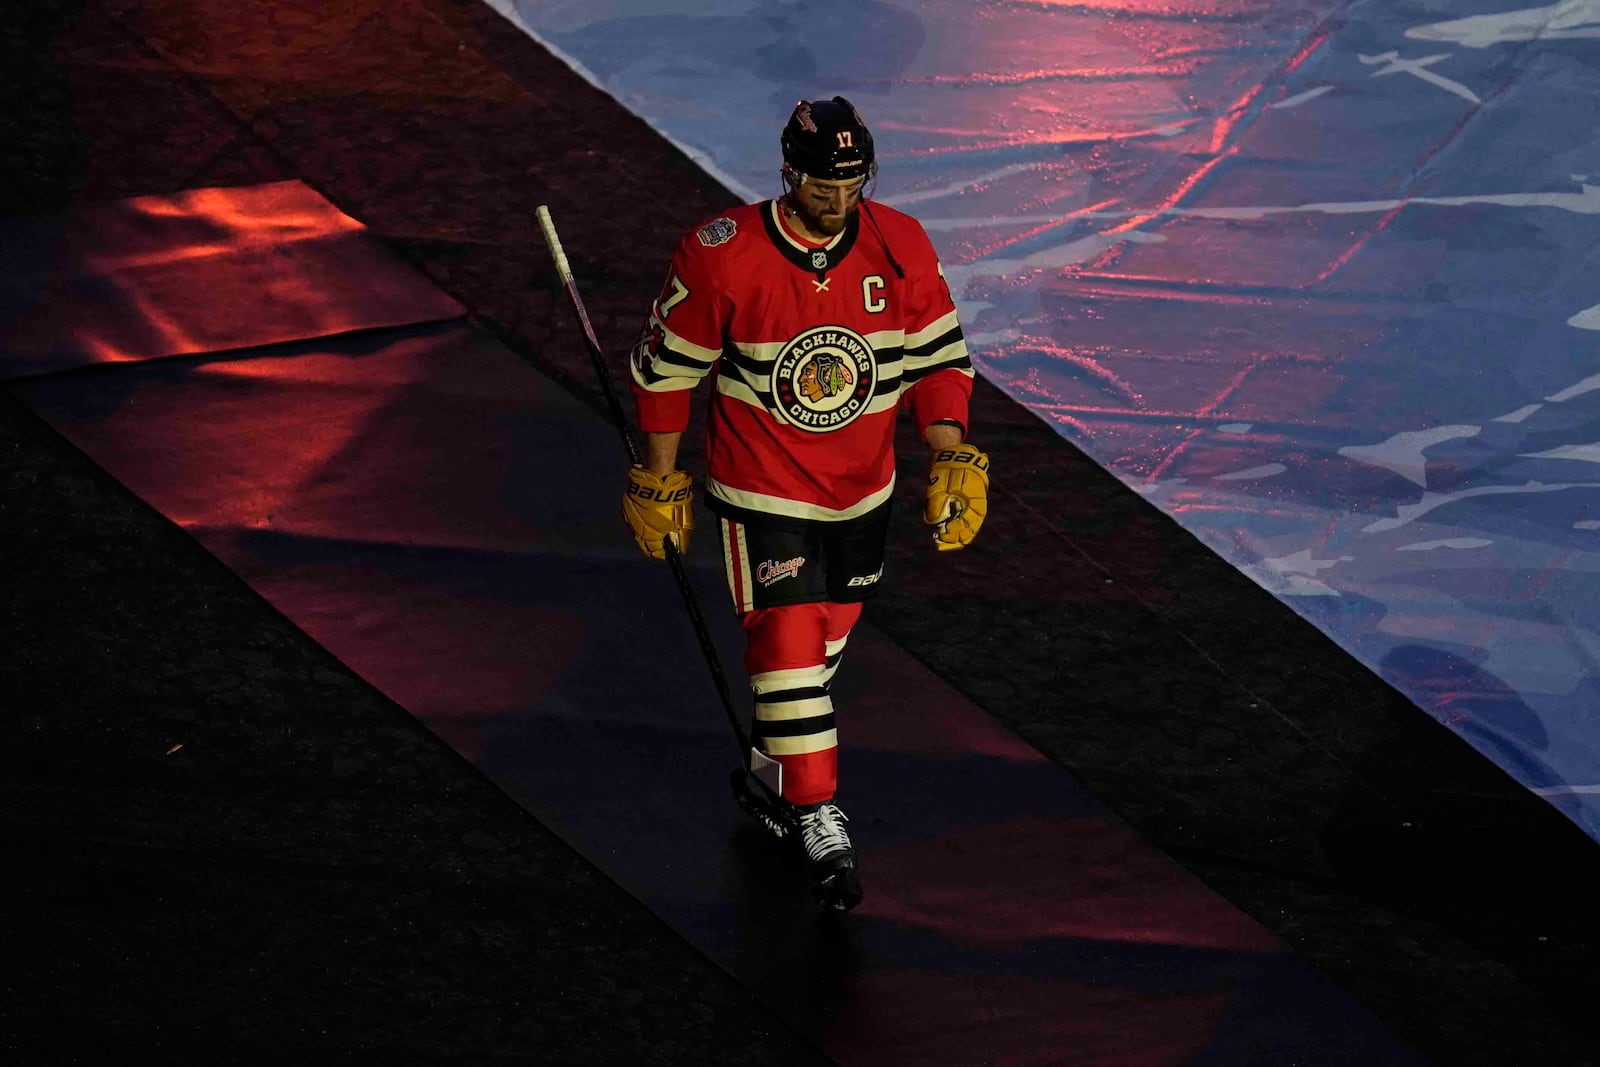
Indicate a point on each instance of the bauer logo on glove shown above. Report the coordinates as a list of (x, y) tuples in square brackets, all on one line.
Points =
[(651, 494), (657, 507), (958, 496)]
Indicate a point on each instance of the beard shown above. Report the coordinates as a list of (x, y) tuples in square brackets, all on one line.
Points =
[(829, 225)]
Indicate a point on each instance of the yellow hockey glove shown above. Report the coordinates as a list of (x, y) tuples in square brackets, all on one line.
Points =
[(658, 507), (958, 496)]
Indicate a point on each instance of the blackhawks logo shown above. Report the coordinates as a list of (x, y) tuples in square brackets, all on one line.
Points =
[(823, 378)]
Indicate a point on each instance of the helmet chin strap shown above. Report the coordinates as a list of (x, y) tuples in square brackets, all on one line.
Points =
[(792, 181)]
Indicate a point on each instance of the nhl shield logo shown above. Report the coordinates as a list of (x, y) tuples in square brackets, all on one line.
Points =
[(824, 379), (717, 232), (819, 259)]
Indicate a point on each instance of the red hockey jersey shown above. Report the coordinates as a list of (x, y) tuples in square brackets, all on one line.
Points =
[(812, 349)]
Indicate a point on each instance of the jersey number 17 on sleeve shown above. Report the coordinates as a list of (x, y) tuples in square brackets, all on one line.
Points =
[(680, 293)]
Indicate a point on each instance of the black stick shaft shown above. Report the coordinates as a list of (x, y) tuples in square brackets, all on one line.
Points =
[(691, 603)]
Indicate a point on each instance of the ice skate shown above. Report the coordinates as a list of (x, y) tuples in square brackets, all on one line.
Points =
[(830, 858)]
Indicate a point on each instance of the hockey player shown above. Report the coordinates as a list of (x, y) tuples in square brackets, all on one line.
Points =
[(818, 315)]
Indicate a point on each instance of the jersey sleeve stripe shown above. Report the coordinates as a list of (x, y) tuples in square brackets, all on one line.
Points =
[(677, 362), (687, 349), (935, 329), (935, 344), (647, 378), (959, 361)]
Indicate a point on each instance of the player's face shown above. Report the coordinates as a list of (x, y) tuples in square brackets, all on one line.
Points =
[(825, 207)]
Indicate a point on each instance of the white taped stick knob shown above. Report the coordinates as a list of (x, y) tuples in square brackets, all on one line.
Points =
[(550, 238)]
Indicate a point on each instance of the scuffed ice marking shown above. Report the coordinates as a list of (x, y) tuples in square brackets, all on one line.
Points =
[(1076, 251), (1587, 385), (1518, 415), (1586, 202), (1446, 542), (966, 185), (1583, 453), (1587, 319), (1405, 453), (1267, 470), (1295, 574), (1418, 68), (1301, 98), (1159, 492), (1567, 20), (1408, 513), (1085, 247)]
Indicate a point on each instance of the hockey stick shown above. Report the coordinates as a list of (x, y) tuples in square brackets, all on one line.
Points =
[(765, 772)]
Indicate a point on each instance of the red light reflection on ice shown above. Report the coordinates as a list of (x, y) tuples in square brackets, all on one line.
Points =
[(1205, 410), (1093, 368), (970, 141), (1043, 228), (1177, 69), (1349, 253), (1145, 8), (1033, 878), (1222, 146), (926, 1017), (1172, 200)]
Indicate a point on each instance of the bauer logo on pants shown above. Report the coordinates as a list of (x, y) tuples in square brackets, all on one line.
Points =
[(823, 379), (865, 579)]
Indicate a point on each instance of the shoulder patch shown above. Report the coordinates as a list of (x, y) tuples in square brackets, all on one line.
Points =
[(717, 232)]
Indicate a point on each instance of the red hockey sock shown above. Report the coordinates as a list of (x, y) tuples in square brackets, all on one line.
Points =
[(786, 658)]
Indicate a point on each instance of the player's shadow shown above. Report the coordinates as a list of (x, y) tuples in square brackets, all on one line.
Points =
[(803, 954)]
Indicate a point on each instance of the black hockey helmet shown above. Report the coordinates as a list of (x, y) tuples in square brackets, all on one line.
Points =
[(826, 139)]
